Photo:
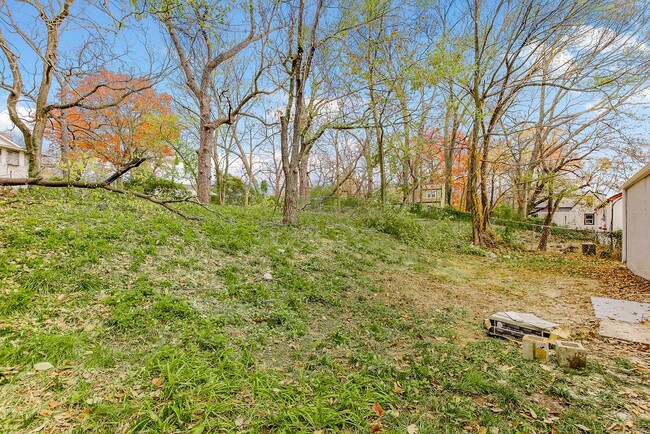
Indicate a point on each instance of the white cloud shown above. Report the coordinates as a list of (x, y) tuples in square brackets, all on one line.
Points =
[(5, 122)]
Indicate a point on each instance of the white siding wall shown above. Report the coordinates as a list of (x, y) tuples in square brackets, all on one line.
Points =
[(575, 218), (605, 220), (637, 228), (10, 171)]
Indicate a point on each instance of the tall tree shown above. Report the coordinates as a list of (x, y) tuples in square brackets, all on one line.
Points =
[(196, 31), (35, 28)]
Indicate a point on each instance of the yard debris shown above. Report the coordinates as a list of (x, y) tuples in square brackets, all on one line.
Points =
[(378, 409), (535, 347), (639, 333), (621, 319), (268, 276), (561, 333), (589, 249), (517, 325), (43, 366), (571, 354), (620, 310)]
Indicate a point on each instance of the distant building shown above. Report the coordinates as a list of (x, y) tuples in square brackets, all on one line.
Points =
[(429, 194), (13, 159), (636, 223), (572, 213), (609, 214)]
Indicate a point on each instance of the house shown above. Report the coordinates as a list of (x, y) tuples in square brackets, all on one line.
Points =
[(571, 213), (429, 193), (609, 214), (636, 222), (13, 159)]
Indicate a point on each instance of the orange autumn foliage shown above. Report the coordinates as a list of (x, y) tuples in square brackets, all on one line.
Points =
[(126, 126), (433, 159)]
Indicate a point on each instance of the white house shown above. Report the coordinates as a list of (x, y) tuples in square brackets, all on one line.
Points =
[(13, 160), (609, 214), (571, 213), (636, 223)]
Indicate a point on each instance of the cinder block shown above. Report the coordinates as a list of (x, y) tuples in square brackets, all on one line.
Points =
[(570, 354), (534, 347)]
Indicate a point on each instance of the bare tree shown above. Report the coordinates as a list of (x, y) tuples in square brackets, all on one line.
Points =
[(196, 31), (31, 88)]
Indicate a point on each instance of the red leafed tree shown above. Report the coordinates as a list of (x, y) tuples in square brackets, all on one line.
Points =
[(437, 157), (141, 125)]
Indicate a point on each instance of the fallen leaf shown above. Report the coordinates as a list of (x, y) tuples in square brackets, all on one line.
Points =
[(157, 381), (393, 413), (482, 430), (40, 428), (412, 429), (198, 429), (397, 389), (43, 366), (240, 422), (378, 409), (582, 427), (53, 404), (375, 428), (532, 413)]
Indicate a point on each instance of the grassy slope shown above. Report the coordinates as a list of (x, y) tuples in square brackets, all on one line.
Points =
[(154, 323)]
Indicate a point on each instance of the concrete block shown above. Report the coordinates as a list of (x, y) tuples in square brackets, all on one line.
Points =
[(534, 347), (570, 354)]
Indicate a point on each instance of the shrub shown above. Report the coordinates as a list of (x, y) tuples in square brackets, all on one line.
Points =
[(235, 191), (397, 224), (444, 213), (157, 187)]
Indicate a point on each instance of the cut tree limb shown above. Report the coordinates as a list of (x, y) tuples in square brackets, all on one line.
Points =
[(105, 185)]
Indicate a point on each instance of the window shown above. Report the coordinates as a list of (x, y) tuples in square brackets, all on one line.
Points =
[(589, 219), (431, 194), (13, 158)]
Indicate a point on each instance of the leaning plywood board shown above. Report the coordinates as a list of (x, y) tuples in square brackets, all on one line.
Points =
[(620, 310), (631, 332)]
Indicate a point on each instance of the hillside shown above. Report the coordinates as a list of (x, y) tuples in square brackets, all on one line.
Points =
[(154, 323)]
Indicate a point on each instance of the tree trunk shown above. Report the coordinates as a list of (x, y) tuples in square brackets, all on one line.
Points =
[(303, 174), (546, 229), (204, 178), (290, 214), (367, 149)]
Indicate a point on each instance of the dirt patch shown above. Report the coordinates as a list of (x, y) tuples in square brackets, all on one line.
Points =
[(481, 287)]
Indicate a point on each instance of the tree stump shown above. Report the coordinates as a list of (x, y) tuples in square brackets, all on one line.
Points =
[(589, 249)]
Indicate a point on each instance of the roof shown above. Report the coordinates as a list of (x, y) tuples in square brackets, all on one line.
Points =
[(638, 176), (566, 205), (610, 200), (616, 196), (7, 143)]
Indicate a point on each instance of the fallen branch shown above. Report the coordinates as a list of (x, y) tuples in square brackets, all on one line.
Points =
[(105, 185)]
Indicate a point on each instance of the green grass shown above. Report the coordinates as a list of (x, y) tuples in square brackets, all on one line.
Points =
[(158, 324)]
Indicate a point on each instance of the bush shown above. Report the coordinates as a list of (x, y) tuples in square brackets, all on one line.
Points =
[(400, 225), (444, 213), (506, 212), (235, 191), (157, 187)]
